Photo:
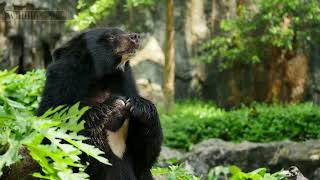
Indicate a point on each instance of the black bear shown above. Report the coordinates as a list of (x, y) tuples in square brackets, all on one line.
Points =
[(93, 68)]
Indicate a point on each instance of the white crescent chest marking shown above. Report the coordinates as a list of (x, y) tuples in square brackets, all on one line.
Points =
[(117, 140)]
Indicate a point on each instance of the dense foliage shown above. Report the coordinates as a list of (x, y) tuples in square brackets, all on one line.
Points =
[(235, 173), (174, 172), (92, 12), (191, 122), (253, 35), (25, 89), (179, 172), (19, 128)]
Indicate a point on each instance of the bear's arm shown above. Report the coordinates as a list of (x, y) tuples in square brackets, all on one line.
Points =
[(109, 115), (144, 137)]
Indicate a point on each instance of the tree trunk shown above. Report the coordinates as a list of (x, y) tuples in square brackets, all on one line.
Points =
[(276, 85), (240, 5), (169, 67)]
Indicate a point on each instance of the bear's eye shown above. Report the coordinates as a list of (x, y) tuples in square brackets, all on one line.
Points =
[(109, 37)]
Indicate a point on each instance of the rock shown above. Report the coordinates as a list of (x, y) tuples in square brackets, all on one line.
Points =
[(160, 177), (295, 174), (250, 156), (151, 91), (314, 91), (196, 24), (317, 172), (168, 154), (151, 51)]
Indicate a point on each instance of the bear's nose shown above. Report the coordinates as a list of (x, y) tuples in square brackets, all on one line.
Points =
[(134, 37)]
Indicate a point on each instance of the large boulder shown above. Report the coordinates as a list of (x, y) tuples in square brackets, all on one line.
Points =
[(250, 156)]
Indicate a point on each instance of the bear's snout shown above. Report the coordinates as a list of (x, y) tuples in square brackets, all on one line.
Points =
[(134, 38)]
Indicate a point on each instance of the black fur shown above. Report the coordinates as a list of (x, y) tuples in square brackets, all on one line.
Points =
[(85, 70)]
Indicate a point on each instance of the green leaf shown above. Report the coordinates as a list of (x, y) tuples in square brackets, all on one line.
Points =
[(11, 156), (234, 170)]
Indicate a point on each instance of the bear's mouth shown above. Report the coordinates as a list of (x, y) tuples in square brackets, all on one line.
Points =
[(124, 58), (130, 52)]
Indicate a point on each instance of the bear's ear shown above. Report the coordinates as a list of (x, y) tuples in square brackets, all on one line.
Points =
[(73, 46)]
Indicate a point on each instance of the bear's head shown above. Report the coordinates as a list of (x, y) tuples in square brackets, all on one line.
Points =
[(109, 49)]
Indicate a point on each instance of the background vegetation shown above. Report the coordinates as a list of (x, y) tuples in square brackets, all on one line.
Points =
[(290, 26), (193, 121)]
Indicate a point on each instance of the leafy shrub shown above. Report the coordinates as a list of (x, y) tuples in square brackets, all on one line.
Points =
[(178, 172), (91, 13), (19, 128), (193, 121), (235, 173), (185, 124), (174, 172), (25, 89)]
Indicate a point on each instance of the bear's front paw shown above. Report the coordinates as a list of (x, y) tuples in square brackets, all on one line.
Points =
[(140, 108), (116, 107)]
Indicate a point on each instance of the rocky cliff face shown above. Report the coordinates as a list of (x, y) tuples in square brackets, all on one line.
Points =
[(314, 88), (29, 30), (29, 43)]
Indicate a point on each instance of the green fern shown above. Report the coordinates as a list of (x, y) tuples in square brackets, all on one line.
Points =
[(18, 128)]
